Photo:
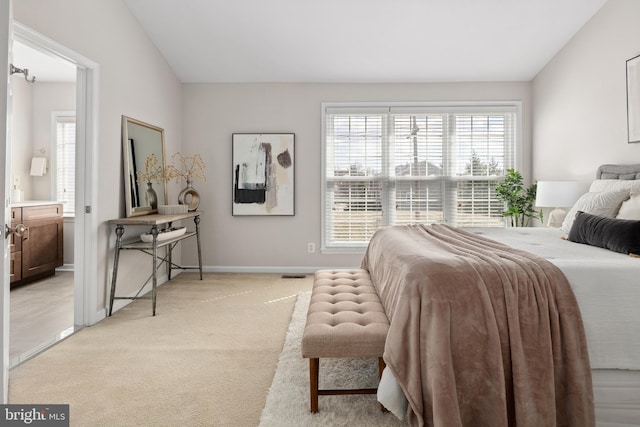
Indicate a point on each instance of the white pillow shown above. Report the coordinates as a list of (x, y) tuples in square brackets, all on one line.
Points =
[(600, 185), (606, 203), (630, 208)]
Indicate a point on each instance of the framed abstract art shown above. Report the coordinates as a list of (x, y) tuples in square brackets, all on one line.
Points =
[(263, 173)]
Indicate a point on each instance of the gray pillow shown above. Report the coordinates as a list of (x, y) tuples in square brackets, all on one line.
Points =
[(618, 235)]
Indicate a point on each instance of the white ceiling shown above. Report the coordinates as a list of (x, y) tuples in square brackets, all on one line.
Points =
[(360, 40)]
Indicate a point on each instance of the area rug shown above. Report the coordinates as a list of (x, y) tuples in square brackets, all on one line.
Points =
[(288, 399)]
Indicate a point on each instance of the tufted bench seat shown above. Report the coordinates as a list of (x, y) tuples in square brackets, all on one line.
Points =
[(345, 319)]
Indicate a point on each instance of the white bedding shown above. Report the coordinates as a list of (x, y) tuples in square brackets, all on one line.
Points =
[(606, 285)]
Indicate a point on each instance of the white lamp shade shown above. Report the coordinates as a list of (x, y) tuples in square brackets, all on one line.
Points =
[(557, 194)]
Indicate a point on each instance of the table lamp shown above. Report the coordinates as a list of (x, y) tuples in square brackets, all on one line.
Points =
[(557, 195)]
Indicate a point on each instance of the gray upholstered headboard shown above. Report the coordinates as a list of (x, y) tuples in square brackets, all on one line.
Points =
[(618, 172)]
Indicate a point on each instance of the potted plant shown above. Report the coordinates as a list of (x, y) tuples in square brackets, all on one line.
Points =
[(520, 201)]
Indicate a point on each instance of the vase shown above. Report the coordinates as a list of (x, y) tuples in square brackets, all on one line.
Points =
[(151, 197), (189, 197)]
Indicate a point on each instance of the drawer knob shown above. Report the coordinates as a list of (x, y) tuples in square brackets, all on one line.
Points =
[(20, 230)]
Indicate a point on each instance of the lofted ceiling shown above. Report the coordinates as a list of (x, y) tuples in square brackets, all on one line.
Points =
[(360, 40)]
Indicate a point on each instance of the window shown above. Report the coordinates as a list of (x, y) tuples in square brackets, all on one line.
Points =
[(65, 148), (392, 165)]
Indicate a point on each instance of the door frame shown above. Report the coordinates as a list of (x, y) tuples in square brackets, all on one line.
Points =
[(85, 253), (5, 158)]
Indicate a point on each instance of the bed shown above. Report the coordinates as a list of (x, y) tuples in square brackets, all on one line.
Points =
[(604, 285)]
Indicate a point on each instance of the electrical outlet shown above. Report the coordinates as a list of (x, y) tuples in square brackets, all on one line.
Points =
[(16, 180), (311, 248)]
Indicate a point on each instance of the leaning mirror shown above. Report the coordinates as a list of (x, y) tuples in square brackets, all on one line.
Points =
[(143, 156)]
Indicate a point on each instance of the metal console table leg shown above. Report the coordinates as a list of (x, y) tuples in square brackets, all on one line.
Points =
[(116, 259), (196, 219), (154, 282)]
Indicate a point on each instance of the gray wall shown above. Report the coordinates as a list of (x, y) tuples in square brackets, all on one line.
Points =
[(213, 112), (134, 80), (574, 118), (579, 109)]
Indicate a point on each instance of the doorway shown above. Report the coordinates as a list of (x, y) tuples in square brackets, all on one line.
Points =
[(43, 98), (85, 281)]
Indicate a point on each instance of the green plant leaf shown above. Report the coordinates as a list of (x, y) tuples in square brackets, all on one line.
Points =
[(519, 201)]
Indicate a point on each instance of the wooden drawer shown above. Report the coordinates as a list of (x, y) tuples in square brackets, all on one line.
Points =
[(43, 250), (16, 214), (41, 212), (15, 267), (40, 250)]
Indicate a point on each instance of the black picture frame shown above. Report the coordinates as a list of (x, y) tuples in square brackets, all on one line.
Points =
[(633, 99)]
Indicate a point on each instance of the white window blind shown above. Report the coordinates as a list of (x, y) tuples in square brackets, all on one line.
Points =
[(403, 165), (65, 162)]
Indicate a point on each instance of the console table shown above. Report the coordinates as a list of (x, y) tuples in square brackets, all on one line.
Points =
[(158, 223)]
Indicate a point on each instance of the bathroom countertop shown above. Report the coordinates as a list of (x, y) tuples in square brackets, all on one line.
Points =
[(28, 203)]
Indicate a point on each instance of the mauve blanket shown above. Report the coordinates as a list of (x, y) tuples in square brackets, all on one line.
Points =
[(481, 334)]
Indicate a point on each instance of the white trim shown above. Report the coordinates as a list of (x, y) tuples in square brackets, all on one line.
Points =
[(266, 269), (86, 311), (323, 174), (418, 104), (519, 147), (53, 150), (87, 194), (6, 44)]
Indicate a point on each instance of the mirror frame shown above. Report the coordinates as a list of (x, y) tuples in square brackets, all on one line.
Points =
[(129, 168)]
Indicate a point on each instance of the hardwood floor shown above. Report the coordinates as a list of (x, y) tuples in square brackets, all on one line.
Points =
[(41, 315)]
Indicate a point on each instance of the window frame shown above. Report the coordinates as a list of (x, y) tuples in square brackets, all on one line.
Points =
[(55, 116), (394, 108)]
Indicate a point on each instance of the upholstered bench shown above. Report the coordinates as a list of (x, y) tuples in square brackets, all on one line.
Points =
[(345, 319)]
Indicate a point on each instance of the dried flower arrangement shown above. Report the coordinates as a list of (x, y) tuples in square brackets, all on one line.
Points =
[(188, 168), (153, 172)]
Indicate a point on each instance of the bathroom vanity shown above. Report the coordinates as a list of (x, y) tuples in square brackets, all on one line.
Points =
[(39, 250)]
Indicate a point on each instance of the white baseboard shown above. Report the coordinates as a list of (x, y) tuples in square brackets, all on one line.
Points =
[(118, 304), (267, 269)]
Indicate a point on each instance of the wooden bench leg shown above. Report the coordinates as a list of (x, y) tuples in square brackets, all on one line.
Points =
[(314, 370), (381, 366)]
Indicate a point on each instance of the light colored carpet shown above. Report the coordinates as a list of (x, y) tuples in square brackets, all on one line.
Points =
[(288, 400), (206, 359)]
